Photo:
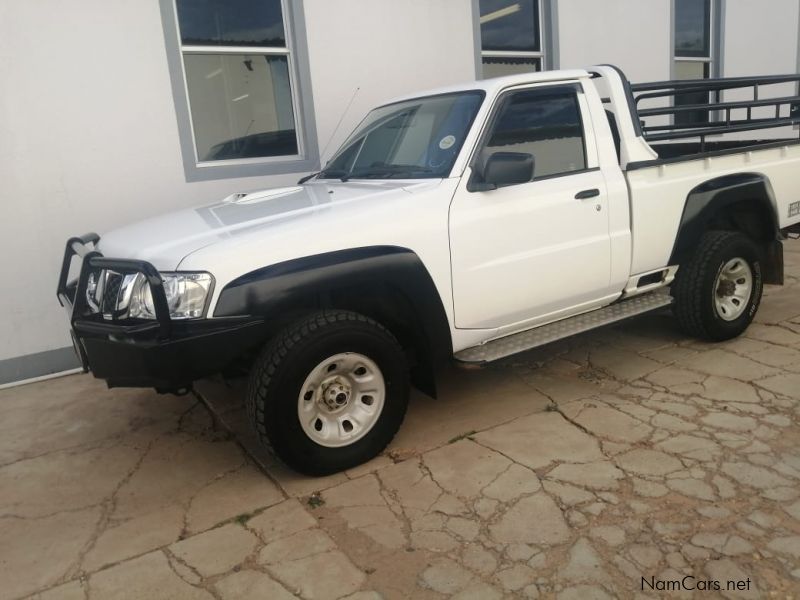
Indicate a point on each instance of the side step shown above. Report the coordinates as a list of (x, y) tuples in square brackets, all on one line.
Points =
[(539, 336)]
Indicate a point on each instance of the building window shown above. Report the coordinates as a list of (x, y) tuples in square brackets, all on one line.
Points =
[(240, 81), (511, 37), (693, 54)]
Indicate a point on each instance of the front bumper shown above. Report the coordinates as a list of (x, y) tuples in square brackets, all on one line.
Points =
[(164, 354)]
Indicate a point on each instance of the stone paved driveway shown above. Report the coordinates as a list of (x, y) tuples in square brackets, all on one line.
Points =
[(572, 472)]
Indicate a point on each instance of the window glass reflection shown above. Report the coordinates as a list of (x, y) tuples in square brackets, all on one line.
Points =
[(510, 25), (241, 105), (231, 23)]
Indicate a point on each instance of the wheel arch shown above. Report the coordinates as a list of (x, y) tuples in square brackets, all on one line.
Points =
[(742, 202), (387, 283)]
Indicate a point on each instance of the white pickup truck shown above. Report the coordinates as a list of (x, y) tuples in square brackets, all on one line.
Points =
[(470, 222)]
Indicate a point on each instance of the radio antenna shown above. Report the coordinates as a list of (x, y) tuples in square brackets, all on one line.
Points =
[(335, 129)]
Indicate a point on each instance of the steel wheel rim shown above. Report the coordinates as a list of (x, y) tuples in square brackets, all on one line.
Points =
[(341, 399), (733, 289)]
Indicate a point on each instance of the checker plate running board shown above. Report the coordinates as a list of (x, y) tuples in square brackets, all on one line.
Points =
[(539, 336)]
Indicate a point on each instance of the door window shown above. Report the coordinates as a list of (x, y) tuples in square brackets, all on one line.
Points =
[(545, 123)]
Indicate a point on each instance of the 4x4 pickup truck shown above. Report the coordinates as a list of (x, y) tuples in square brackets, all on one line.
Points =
[(472, 222)]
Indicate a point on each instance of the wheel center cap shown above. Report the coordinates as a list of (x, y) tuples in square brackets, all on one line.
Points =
[(336, 393), (726, 287)]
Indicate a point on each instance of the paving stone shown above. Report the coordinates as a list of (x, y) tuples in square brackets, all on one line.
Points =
[(793, 510), (583, 565), (466, 529), (669, 377), (789, 545), (606, 422), (713, 512), (251, 585), (334, 576), (781, 493), (538, 440), (752, 475), (516, 577), (446, 577), (465, 468), (725, 420), (363, 491), (568, 495), (237, 493), (624, 364), (148, 576), (726, 364), (649, 489), (583, 592), (216, 551), (598, 476), (724, 543), (281, 520), (435, 541), (726, 389), (671, 423), (725, 488), (648, 462), (692, 488), (610, 534), (513, 483), (477, 558), (377, 522), (366, 595), (72, 590), (298, 545), (134, 537), (725, 570), (787, 384), (29, 547), (478, 591), (412, 487), (533, 520)]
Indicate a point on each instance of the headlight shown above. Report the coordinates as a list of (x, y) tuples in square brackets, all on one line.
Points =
[(129, 295)]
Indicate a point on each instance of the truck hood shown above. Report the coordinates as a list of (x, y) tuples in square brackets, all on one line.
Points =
[(167, 240)]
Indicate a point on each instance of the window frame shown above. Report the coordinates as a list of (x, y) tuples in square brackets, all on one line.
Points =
[(295, 51), (712, 62), (591, 159), (544, 40)]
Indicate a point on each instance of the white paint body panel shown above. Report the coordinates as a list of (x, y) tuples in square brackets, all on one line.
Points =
[(502, 261), (658, 195)]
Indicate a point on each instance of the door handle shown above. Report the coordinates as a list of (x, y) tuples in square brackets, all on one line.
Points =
[(587, 194)]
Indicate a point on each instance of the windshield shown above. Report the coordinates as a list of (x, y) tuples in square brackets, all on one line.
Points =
[(413, 139)]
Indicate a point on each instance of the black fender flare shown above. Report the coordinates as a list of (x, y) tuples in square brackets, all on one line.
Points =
[(408, 296), (710, 199)]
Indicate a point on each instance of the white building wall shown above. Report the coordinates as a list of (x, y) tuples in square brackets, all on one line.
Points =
[(634, 35), (89, 136), (370, 52)]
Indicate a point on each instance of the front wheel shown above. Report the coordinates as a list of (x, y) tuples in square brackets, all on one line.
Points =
[(329, 392), (717, 293)]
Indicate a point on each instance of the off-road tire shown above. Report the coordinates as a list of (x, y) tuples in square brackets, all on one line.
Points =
[(281, 368), (694, 291)]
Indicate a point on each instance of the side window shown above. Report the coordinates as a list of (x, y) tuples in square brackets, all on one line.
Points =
[(545, 123)]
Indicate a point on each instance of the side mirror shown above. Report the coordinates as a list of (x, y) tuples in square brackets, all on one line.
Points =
[(503, 168)]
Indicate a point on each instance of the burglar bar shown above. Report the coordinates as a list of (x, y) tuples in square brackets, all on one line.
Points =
[(670, 90)]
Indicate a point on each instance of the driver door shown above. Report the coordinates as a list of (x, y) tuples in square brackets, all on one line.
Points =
[(531, 252)]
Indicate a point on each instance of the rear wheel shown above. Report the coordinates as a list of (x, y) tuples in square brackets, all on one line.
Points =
[(718, 292), (329, 392)]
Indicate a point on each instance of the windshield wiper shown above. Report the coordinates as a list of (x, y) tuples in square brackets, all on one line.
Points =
[(334, 174)]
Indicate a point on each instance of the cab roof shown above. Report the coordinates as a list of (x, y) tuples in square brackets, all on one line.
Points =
[(495, 84)]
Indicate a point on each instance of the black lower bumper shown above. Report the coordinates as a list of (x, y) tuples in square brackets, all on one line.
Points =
[(195, 350), (163, 353)]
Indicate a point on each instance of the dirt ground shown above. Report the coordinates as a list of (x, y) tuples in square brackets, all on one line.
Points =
[(620, 463)]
